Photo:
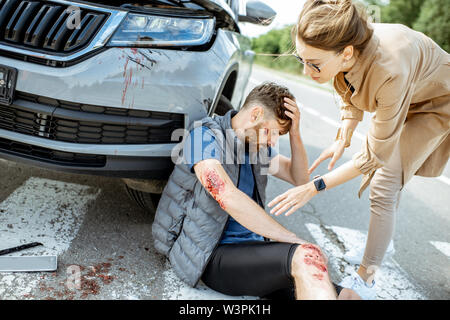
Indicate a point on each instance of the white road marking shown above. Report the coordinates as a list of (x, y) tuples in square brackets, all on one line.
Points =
[(45, 211), (391, 280), (311, 111), (176, 289), (444, 179), (443, 247), (330, 121)]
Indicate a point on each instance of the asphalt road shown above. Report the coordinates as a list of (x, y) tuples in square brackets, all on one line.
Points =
[(104, 243)]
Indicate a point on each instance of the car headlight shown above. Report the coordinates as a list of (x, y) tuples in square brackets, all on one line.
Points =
[(160, 31)]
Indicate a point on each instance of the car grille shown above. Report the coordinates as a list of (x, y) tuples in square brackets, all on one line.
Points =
[(80, 123), (46, 26), (48, 155)]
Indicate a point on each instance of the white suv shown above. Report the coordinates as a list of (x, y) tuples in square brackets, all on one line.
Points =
[(98, 87)]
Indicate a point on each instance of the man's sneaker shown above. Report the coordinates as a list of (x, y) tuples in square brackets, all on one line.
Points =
[(356, 256), (357, 284)]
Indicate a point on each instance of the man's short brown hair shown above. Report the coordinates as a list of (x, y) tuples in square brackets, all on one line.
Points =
[(271, 96)]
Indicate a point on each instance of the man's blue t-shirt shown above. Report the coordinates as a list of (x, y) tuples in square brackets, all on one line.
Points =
[(201, 145)]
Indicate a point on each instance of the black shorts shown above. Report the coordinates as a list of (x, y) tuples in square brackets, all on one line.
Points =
[(256, 268)]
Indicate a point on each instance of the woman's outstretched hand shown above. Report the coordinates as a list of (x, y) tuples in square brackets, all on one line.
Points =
[(293, 199), (334, 152)]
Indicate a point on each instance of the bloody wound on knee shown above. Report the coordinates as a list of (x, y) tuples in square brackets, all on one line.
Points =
[(215, 185), (314, 257)]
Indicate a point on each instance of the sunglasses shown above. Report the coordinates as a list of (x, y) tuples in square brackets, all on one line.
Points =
[(315, 67)]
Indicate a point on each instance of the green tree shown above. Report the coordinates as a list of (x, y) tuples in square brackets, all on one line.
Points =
[(401, 11), (268, 43), (278, 42), (434, 21), (431, 17)]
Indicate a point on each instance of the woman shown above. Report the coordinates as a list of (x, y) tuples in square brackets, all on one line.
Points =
[(404, 78)]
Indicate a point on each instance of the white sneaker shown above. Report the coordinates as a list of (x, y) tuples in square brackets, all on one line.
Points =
[(356, 256), (357, 284)]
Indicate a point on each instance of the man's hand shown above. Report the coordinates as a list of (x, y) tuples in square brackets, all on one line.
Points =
[(293, 112), (295, 169)]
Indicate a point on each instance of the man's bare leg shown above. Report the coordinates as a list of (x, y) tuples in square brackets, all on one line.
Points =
[(310, 272), (348, 294), (312, 281)]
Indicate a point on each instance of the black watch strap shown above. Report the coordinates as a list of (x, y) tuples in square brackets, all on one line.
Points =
[(319, 183)]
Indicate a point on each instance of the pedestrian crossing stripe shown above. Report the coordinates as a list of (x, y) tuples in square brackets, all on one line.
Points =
[(42, 210), (443, 247)]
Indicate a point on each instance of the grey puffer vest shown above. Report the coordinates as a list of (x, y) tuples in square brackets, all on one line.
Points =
[(189, 223)]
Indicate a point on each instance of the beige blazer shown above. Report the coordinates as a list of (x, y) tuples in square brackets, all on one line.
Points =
[(403, 77)]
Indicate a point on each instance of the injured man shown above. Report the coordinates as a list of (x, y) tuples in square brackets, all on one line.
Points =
[(211, 222)]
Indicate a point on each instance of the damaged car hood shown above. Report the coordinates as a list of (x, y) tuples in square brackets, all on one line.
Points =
[(219, 8), (216, 6)]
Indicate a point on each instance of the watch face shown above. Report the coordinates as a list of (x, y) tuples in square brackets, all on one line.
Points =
[(320, 184)]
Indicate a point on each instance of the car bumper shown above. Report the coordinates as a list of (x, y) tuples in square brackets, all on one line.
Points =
[(120, 166)]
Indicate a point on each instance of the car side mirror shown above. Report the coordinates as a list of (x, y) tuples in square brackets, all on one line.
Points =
[(258, 13)]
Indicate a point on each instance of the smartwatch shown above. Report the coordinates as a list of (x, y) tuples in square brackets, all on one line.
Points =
[(319, 183)]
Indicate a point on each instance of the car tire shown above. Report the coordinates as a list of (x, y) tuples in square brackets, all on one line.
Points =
[(147, 201), (223, 106)]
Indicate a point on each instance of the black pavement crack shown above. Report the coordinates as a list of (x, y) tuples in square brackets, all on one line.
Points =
[(330, 234)]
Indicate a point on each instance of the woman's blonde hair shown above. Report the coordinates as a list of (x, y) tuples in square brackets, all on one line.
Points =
[(332, 25)]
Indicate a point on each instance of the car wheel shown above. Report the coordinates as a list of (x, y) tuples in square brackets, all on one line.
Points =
[(223, 106), (147, 201)]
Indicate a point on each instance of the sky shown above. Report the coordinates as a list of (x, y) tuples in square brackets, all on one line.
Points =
[(287, 13)]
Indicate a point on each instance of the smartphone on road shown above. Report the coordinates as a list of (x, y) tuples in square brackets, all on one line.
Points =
[(28, 263)]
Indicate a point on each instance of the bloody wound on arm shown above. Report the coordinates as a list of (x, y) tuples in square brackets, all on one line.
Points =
[(214, 184)]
